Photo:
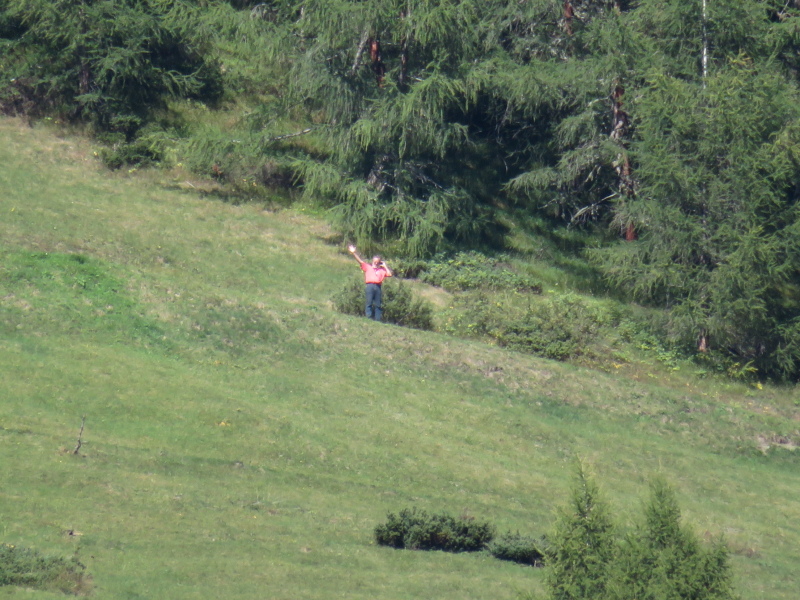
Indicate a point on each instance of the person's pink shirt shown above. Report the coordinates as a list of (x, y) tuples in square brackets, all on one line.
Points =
[(373, 274)]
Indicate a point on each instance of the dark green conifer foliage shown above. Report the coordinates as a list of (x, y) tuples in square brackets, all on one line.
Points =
[(717, 213), (660, 560), (582, 549), (107, 61), (664, 560), (392, 83)]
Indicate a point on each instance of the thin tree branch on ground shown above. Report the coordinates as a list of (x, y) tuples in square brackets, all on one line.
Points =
[(80, 436)]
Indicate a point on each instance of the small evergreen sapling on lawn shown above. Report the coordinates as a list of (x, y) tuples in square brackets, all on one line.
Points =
[(659, 560)]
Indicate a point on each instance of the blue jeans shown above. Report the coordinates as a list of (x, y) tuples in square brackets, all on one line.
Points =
[(373, 308)]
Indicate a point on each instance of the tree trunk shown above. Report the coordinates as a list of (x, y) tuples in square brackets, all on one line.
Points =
[(619, 133), (401, 79), (377, 62), (361, 45), (704, 59), (569, 14)]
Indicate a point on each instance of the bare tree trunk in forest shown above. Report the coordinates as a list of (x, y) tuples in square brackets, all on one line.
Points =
[(377, 176), (619, 133), (569, 14), (84, 79), (401, 79), (702, 345), (705, 43), (359, 53), (403, 63), (85, 74)]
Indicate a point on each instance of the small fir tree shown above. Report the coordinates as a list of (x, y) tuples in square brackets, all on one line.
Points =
[(583, 545), (660, 560)]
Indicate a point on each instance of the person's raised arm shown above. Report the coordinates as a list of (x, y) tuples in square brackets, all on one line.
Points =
[(352, 250), (388, 270)]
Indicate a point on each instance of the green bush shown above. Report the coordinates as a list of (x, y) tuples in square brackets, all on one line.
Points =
[(473, 270), (148, 148), (415, 529), (28, 568), (399, 305), (518, 548), (557, 327)]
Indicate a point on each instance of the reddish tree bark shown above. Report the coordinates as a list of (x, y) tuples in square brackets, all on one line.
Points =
[(377, 62), (702, 345), (569, 14)]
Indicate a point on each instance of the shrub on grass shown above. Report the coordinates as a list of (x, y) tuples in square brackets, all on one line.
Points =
[(147, 148), (28, 568), (400, 307), (473, 270), (557, 327), (518, 548), (415, 529)]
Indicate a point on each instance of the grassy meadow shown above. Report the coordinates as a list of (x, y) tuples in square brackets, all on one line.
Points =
[(242, 439)]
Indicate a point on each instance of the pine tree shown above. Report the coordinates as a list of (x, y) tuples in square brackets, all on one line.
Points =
[(107, 61), (583, 546), (718, 212), (660, 559), (664, 560), (392, 85)]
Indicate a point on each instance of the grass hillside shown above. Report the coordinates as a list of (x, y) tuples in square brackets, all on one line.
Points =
[(242, 439)]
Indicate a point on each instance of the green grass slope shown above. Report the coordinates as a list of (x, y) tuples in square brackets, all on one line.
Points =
[(242, 440)]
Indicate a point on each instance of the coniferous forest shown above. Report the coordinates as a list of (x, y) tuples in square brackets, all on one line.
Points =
[(667, 132)]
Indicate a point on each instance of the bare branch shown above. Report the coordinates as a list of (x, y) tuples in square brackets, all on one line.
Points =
[(361, 45), (291, 135), (80, 436)]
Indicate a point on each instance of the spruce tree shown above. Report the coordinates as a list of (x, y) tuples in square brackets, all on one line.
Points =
[(660, 559), (582, 547), (106, 61), (663, 559), (717, 213)]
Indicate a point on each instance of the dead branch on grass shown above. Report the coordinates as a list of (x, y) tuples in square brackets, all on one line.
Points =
[(80, 436)]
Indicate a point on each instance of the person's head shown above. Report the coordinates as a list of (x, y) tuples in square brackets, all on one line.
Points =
[(376, 260)]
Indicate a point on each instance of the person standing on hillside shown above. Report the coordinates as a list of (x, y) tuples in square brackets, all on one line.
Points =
[(374, 274)]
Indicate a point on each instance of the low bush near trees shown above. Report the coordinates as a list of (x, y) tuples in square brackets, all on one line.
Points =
[(473, 270), (558, 327), (518, 548), (28, 568), (415, 529), (400, 307)]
